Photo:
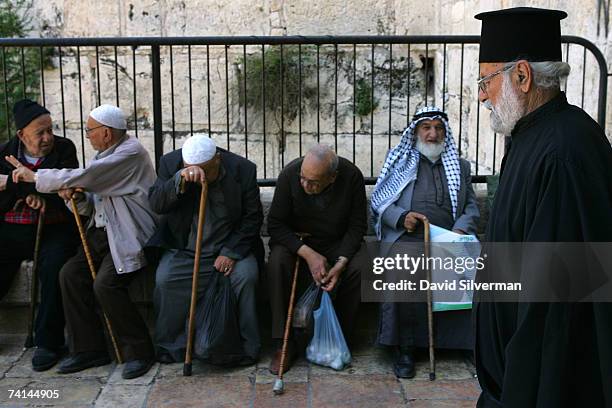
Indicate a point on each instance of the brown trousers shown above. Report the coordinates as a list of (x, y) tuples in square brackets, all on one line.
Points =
[(85, 326), (281, 264)]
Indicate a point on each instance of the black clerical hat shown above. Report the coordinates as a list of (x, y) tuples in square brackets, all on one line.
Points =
[(25, 111), (520, 33)]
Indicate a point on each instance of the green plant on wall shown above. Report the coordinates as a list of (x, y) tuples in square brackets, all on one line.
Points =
[(296, 70), (15, 62), (364, 102)]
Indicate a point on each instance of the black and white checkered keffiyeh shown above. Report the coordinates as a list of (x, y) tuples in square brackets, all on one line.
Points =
[(402, 164)]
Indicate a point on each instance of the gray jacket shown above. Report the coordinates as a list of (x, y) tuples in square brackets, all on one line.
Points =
[(467, 208), (122, 179)]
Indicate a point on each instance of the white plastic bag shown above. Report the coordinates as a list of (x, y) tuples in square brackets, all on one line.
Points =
[(328, 347)]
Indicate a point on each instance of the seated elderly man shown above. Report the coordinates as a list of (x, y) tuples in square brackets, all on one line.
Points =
[(422, 178), (322, 195), (115, 185), (229, 245), (35, 147)]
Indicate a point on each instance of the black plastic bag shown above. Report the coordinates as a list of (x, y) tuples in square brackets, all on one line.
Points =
[(217, 335), (302, 313)]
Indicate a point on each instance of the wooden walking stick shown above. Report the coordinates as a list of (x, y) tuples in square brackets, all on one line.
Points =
[(279, 385), (92, 269), (432, 369), (34, 287), (194, 284)]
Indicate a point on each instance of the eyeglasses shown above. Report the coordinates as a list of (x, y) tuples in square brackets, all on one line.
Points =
[(313, 183), (483, 82), (88, 131)]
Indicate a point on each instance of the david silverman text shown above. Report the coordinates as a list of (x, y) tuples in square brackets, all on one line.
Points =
[(446, 285)]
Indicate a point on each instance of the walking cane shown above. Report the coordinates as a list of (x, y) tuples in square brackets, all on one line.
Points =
[(279, 385), (92, 269), (432, 369), (34, 287), (194, 284)]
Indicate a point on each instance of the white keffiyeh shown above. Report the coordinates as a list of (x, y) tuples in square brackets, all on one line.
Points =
[(402, 164)]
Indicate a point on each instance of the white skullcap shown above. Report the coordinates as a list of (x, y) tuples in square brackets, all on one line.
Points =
[(198, 149), (109, 115)]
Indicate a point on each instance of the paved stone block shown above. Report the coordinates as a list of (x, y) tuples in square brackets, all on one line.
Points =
[(442, 404), (201, 392), (295, 396), (448, 367), (440, 389), (113, 396), (360, 365), (201, 369), (146, 379), (356, 391), (297, 374), (23, 369), (10, 353), (70, 393)]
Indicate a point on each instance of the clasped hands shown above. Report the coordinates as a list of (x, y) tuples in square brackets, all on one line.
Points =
[(324, 276)]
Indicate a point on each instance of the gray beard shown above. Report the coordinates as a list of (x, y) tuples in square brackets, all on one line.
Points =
[(430, 150), (508, 111)]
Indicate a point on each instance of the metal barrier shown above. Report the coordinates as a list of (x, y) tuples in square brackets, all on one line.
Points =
[(268, 98)]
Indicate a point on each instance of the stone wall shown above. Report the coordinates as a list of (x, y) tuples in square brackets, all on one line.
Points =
[(185, 104)]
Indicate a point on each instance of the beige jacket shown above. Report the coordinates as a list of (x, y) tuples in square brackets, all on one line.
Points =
[(122, 179)]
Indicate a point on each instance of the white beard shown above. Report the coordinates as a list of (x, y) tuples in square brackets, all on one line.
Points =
[(508, 111), (430, 150)]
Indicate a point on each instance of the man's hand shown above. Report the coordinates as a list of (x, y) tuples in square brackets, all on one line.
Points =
[(317, 263), (68, 193), (329, 282), (3, 181), (21, 172), (458, 231), (34, 201), (193, 174), (224, 265), (412, 220)]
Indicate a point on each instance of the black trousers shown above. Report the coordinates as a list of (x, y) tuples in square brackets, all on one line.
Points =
[(281, 264), (59, 242), (85, 326)]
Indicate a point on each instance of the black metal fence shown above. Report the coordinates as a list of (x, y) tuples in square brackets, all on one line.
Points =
[(269, 98)]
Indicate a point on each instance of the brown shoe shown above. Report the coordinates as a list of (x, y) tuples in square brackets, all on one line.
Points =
[(276, 359)]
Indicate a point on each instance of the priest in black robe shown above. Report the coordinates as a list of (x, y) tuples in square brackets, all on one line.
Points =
[(555, 187)]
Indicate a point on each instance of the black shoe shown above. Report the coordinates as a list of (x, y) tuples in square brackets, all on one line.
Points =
[(247, 361), (82, 361), (43, 358), (136, 368), (404, 365), (165, 358)]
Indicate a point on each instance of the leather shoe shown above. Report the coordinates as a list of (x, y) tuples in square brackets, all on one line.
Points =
[(136, 368), (247, 361), (43, 358), (404, 365), (276, 359), (165, 358), (81, 361)]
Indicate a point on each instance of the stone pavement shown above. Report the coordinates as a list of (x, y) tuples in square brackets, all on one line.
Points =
[(368, 382)]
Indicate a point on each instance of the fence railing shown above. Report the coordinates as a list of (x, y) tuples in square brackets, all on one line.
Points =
[(270, 98)]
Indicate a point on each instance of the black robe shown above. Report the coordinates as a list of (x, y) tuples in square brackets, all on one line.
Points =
[(555, 186)]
